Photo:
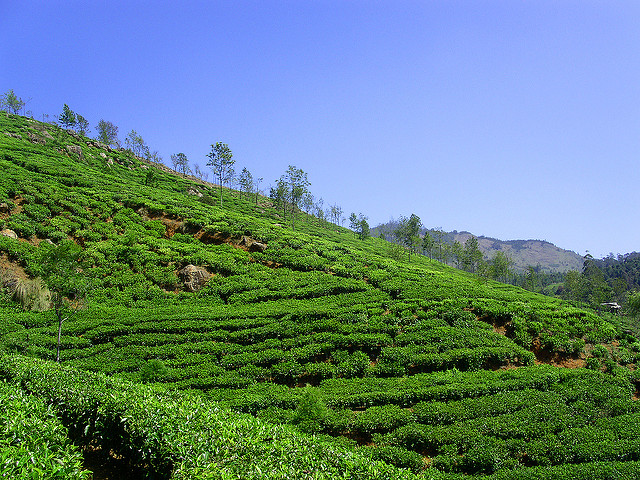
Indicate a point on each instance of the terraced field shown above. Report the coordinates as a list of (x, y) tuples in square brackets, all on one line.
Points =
[(322, 336)]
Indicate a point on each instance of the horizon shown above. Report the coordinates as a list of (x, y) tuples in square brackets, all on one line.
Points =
[(509, 121)]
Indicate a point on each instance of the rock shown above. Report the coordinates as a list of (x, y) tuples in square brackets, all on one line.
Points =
[(9, 280), (9, 233), (103, 155), (13, 135), (251, 245), (109, 161), (194, 278), (48, 135), (75, 149), (194, 191), (144, 214), (33, 138), (4, 208)]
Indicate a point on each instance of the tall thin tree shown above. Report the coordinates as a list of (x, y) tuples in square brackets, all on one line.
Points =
[(221, 162)]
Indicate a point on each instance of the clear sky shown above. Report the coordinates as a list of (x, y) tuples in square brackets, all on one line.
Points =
[(510, 119)]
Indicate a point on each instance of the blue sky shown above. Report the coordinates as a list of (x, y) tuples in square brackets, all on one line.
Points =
[(510, 119)]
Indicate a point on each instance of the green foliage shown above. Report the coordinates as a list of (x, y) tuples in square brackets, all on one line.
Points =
[(68, 118), (360, 226), (33, 441), (107, 133), (408, 230), (153, 371), (221, 162), (310, 412), (182, 436), (11, 102), (633, 304)]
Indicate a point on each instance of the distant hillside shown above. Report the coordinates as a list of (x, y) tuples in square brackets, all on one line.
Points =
[(522, 252), (528, 252)]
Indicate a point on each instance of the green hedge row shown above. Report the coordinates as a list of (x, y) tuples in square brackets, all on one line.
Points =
[(179, 435)]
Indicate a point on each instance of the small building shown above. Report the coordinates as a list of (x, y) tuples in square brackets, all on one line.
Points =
[(613, 307)]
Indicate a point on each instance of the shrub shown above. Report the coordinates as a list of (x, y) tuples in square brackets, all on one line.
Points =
[(153, 371), (310, 412)]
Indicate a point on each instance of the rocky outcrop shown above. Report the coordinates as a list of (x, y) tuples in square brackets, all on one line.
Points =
[(9, 233), (75, 149), (194, 191), (193, 277), (33, 138), (252, 245)]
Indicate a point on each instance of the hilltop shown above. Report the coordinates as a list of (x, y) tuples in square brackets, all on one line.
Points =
[(218, 342)]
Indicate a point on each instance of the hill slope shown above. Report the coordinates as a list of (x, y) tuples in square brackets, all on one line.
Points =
[(414, 363), (528, 252), (523, 253)]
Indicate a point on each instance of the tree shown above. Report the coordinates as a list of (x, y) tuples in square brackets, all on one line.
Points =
[(82, 124), (360, 226), (221, 162), (336, 214), (197, 172), (318, 208), (136, 144), (633, 304), (574, 286), (472, 254), (154, 156), (297, 183), (407, 230), (257, 187), (427, 244), (11, 102), (439, 234), (107, 133), (500, 266), (180, 162), (61, 270), (597, 288), (246, 182), (532, 278), (457, 252), (278, 195), (68, 118)]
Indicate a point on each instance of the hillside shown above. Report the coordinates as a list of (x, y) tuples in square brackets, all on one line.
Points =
[(527, 252), (523, 253), (290, 354)]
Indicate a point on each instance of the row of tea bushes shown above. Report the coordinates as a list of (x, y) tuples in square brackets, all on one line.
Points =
[(33, 441), (180, 436)]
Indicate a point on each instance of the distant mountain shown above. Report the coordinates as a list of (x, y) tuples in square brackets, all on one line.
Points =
[(522, 252)]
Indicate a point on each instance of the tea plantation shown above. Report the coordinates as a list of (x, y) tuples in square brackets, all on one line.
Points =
[(306, 354)]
